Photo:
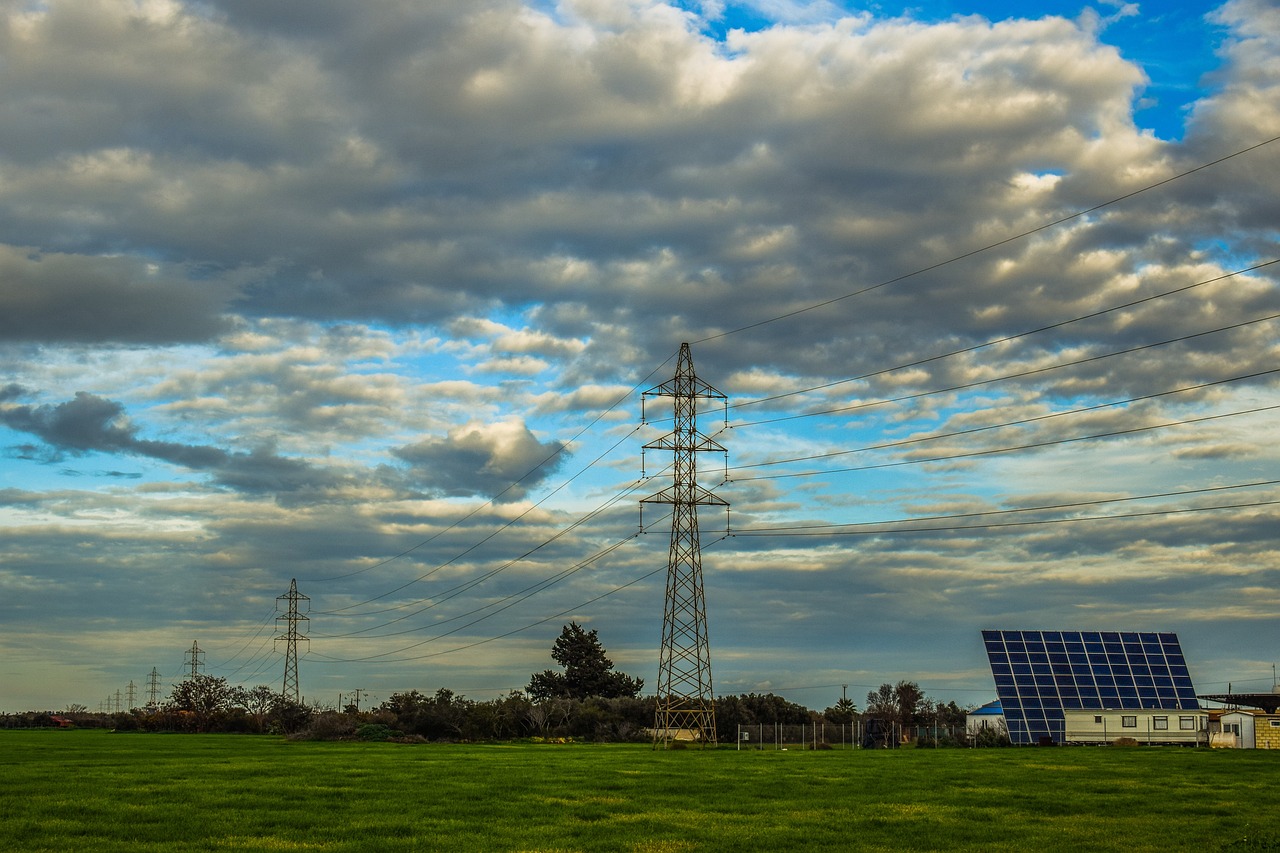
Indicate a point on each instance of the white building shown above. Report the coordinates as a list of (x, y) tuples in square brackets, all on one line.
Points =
[(1146, 726), (989, 716)]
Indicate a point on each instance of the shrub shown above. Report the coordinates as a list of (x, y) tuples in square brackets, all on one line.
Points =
[(996, 737), (376, 731), (329, 725)]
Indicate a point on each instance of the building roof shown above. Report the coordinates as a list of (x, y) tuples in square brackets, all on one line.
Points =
[(990, 709), (1268, 702), (1041, 674)]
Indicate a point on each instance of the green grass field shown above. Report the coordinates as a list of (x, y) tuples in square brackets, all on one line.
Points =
[(90, 790)]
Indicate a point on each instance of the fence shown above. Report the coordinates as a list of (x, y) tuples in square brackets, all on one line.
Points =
[(860, 734)]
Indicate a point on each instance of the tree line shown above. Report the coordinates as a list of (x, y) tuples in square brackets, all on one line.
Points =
[(585, 699)]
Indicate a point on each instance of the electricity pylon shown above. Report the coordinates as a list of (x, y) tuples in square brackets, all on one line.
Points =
[(291, 617), (686, 701), (131, 696), (153, 688), (193, 658)]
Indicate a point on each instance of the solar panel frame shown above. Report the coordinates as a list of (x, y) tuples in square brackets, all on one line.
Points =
[(1040, 674)]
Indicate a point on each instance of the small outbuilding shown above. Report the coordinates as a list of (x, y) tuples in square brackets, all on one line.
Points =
[(1244, 728), (1254, 726), (989, 716)]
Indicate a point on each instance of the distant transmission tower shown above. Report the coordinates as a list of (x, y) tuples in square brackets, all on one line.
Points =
[(131, 694), (686, 702), (153, 688), (291, 618), (194, 655)]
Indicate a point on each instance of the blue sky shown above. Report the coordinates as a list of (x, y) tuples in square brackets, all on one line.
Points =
[(366, 294)]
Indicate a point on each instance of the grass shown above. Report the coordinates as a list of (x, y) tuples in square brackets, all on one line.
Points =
[(89, 790)]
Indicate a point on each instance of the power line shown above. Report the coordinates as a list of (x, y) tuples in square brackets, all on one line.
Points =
[(1000, 524), (815, 306), (993, 245), (653, 572), (989, 246), (504, 527), (1007, 511), (1020, 422), (448, 595), (529, 473), (519, 597), (1002, 340), (882, 284), (1031, 446), (523, 628), (965, 386)]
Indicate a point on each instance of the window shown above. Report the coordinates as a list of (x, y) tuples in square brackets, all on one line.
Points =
[(1160, 723), (1275, 724), (1187, 724), (1097, 718), (1129, 721)]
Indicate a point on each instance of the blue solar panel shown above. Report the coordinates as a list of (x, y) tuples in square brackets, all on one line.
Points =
[(1039, 674)]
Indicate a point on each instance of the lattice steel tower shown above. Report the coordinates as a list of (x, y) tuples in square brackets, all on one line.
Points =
[(153, 688), (291, 617), (193, 658), (686, 702)]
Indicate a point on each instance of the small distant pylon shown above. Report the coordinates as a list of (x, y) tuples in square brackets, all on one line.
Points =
[(153, 688), (131, 695), (686, 700), (195, 656), (291, 617)]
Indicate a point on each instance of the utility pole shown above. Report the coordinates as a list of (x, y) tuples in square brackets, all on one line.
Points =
[(153, 688), (291, 617), (686, 700), (359, 690), (131, 694), (194, 655)]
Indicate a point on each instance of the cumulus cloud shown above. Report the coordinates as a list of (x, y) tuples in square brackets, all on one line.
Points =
[(336, 272), (502, 460)]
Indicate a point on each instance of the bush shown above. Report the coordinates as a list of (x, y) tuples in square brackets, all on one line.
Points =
[(996, 737), (376, 731), (329, 725)]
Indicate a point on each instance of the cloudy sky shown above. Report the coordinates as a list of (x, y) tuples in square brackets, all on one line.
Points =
[(365, 294)]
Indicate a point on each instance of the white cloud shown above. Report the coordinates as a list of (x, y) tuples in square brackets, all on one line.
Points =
[(289, 290)]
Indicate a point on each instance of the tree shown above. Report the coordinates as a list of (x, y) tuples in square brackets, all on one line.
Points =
[(258, 702), (203, 697), (753, 709), (898, 704), (844, 711), (587, 671)]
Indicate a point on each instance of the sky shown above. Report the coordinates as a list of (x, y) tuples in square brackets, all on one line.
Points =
[(366, 295)]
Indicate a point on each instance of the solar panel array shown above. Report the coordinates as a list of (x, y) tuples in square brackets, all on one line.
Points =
[(1040, 674)]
